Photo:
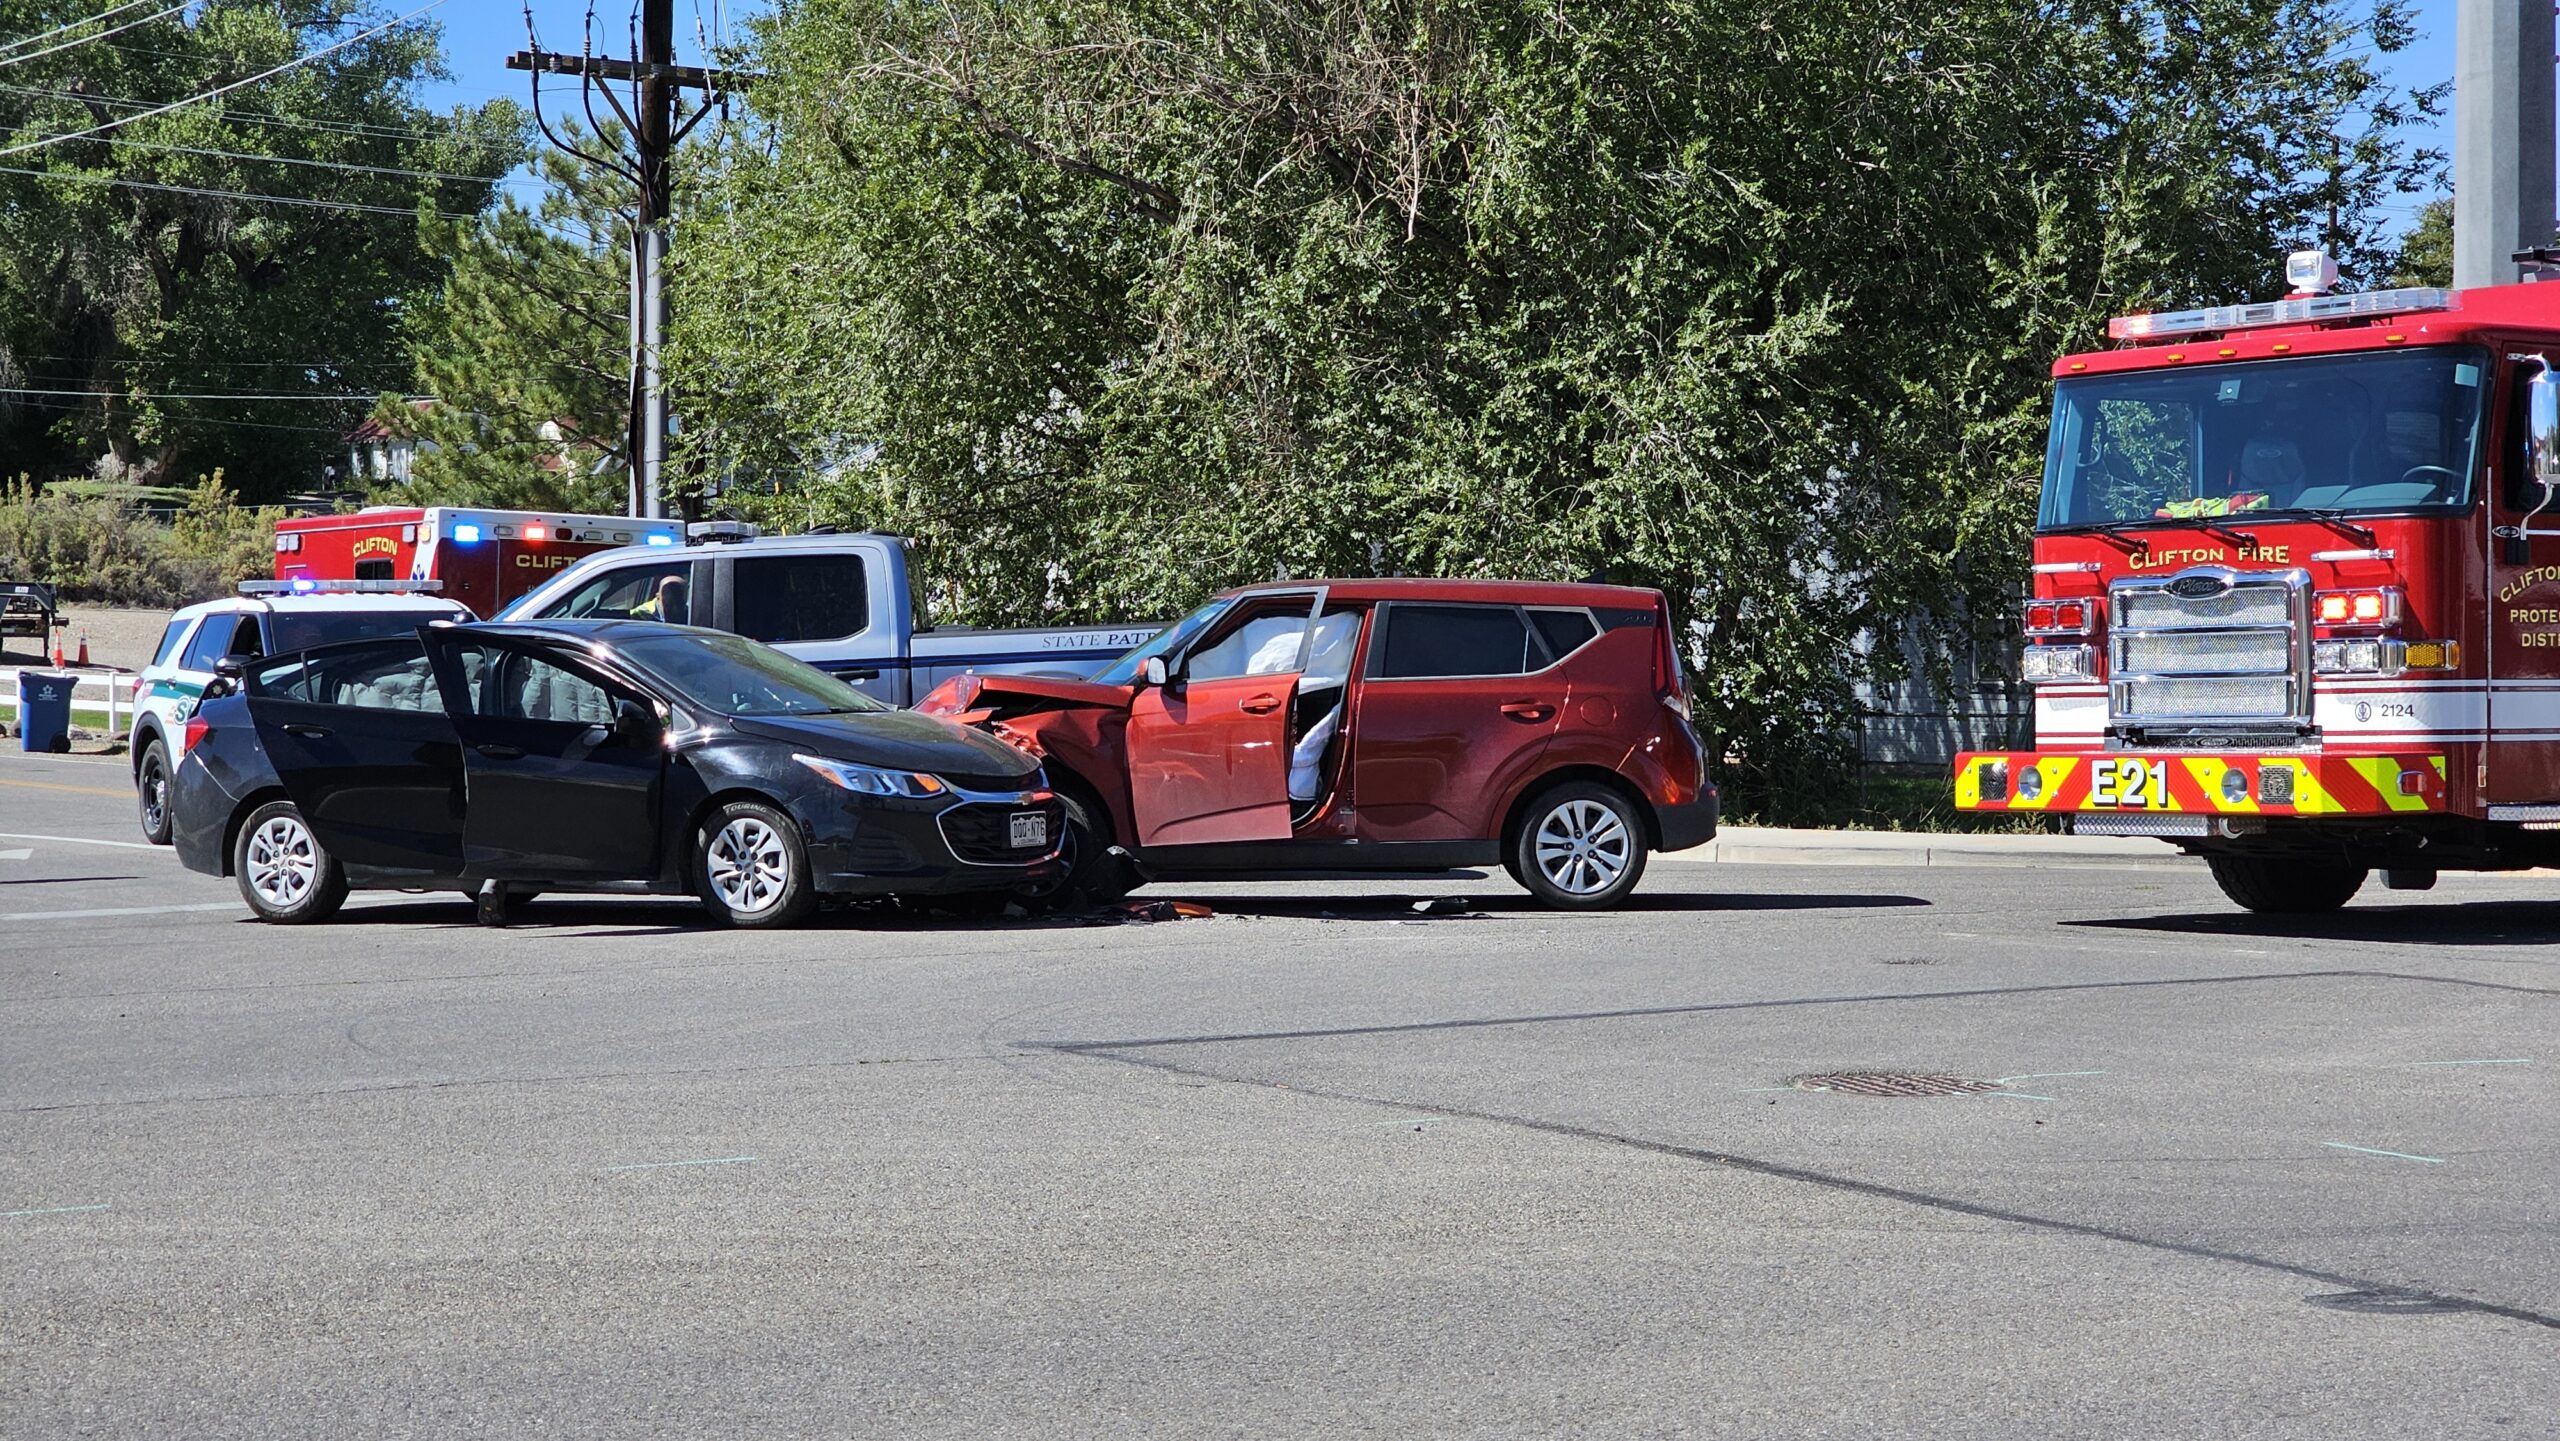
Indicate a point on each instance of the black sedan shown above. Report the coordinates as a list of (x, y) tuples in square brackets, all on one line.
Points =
[(503, 760)]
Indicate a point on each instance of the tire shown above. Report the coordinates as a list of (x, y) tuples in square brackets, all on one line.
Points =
[(1092, 869), (151, 791), (285, 874), (2285, 887), (1580, 847), (751, 868)]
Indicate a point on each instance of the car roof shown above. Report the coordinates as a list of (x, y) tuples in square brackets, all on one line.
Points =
[(756, 545), (586, 630), (1499, 592), (361, 602)]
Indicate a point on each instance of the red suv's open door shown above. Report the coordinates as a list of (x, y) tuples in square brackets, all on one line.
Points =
[(1209, 760)]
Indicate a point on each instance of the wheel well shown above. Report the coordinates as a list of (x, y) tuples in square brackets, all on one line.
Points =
[(1566, 775), (240, 816), (145, 731), (1088, 795), (717, 799)]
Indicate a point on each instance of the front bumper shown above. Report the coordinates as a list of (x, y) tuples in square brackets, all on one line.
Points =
[(2130, 783), (883, 846)]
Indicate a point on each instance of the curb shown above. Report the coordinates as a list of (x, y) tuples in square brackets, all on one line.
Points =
[(1754, 845)]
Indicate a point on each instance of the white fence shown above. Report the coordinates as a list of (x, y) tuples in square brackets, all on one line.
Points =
[(92, 693)]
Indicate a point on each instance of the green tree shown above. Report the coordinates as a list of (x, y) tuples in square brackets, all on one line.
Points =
[(525, 346), (2426, 252), (1113, 303), (136, 272)]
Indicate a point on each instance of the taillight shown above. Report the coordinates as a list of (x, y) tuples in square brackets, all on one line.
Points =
[(2375, 609), (2059, 617), (1667, 681), (197, 729)]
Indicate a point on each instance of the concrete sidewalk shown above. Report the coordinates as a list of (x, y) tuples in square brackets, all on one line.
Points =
[(1770, 846)]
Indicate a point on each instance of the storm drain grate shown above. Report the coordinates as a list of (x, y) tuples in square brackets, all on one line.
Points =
[(1892, 1083)]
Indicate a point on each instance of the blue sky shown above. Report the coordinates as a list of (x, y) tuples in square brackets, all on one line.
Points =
[(480, 34)]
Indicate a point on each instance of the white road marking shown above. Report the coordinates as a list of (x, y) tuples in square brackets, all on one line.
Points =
[(82, 841), (20, 854), (120, 911)]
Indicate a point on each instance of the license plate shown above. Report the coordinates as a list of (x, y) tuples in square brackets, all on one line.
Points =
[(1030, 828)]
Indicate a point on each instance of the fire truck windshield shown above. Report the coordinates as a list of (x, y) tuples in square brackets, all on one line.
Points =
[(2392, 432)]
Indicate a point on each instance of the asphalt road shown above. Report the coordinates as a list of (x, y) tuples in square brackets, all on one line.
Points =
[(1319, 1165)]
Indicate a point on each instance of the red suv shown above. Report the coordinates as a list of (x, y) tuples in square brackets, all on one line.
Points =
[(1374, 725)]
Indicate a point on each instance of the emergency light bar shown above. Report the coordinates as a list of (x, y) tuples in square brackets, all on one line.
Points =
[(307, 586), (2296, 310)]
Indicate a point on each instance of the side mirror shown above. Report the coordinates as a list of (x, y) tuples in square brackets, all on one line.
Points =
[(227, 674), (635, 723), (2542, 429), (1154, 671)]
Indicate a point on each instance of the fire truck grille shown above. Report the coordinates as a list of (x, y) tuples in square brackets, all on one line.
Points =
[(2229, 651)]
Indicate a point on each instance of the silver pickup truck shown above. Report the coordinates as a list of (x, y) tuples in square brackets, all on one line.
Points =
[(847, 604)]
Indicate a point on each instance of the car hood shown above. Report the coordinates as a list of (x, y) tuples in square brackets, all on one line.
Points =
[(963, 693), (895, 740)]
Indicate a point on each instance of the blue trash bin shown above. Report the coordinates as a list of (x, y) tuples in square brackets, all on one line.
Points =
[(44, 710)]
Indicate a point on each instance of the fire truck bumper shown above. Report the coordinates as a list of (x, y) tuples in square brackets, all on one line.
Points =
[(2164, 783)]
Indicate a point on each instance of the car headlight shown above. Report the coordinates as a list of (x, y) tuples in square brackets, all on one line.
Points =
[(873, 781)]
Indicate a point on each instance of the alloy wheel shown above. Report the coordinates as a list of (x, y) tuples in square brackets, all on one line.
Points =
[(284, 862), (1583, 847), (748, 867)]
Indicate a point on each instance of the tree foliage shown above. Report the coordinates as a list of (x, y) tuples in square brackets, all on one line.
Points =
[(133, 273), (525, 346), (1112, 303)]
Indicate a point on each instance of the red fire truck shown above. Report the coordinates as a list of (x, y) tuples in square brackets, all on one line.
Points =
[(2296, 595), (484, 558)]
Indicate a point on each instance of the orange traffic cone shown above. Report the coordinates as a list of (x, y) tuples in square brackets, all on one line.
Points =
[(84, 648), (58, 661)]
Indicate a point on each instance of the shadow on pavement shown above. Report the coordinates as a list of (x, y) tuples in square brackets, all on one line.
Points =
[(2471, 923), (1402, 908)]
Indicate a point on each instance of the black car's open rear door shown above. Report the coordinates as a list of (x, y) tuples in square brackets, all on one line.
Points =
[(555, 793), (358, 736)]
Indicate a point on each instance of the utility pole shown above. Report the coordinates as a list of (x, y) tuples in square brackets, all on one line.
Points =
[(2502, 137), (652, 80)]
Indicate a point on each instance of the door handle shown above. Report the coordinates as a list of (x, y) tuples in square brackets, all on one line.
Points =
[(1529, 711), (1260, 705), (308, 732), (857, 675), (501, 752)]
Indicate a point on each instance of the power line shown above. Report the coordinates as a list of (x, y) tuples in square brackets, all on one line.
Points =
[(261, 117), (9, 45), (43, 141), (230, 194), (8, 60), (499, 179), (304, 396)]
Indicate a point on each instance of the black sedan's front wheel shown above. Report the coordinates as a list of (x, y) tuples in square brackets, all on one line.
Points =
[(751, 868)]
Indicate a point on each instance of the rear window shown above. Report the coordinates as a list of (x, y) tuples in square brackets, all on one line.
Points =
[(305, 630), (800, 597), (169, 639), (1564, 631), (1423, 642), (390, 676)]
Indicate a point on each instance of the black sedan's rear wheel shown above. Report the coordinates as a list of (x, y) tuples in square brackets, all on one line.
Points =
[(151, 790), (751, 868), (285, 874)]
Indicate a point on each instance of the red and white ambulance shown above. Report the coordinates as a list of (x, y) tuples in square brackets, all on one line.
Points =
[(483, 558)]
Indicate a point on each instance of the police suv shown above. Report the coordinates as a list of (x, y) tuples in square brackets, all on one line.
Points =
[(266, 618)]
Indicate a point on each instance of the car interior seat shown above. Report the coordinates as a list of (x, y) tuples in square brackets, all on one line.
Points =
[(1317, 713)]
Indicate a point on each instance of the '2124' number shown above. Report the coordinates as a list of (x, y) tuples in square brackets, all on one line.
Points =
[(2129, 783)]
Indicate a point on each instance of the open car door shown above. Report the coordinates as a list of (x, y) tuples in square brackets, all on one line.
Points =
[(556, 791), (358, 734), (1209, 750)]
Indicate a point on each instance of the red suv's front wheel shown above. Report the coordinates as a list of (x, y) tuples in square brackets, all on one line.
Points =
[(1581, 846)]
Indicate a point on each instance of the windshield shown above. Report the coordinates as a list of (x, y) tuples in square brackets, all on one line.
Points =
[(2391, 432), (1172, 638), (305, 630), (739, 677)]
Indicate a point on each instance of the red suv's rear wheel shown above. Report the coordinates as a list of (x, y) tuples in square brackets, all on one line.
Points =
[(1580, 846)]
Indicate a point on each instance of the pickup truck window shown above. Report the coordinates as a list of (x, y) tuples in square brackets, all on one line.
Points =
[(800, 597), (635, 592)]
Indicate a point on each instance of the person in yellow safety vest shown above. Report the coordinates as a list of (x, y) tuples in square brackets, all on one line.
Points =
[(665, 604)]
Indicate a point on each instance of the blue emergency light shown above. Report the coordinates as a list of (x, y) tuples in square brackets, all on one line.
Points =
[(466, 535), (304, 586), (662, 540)]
